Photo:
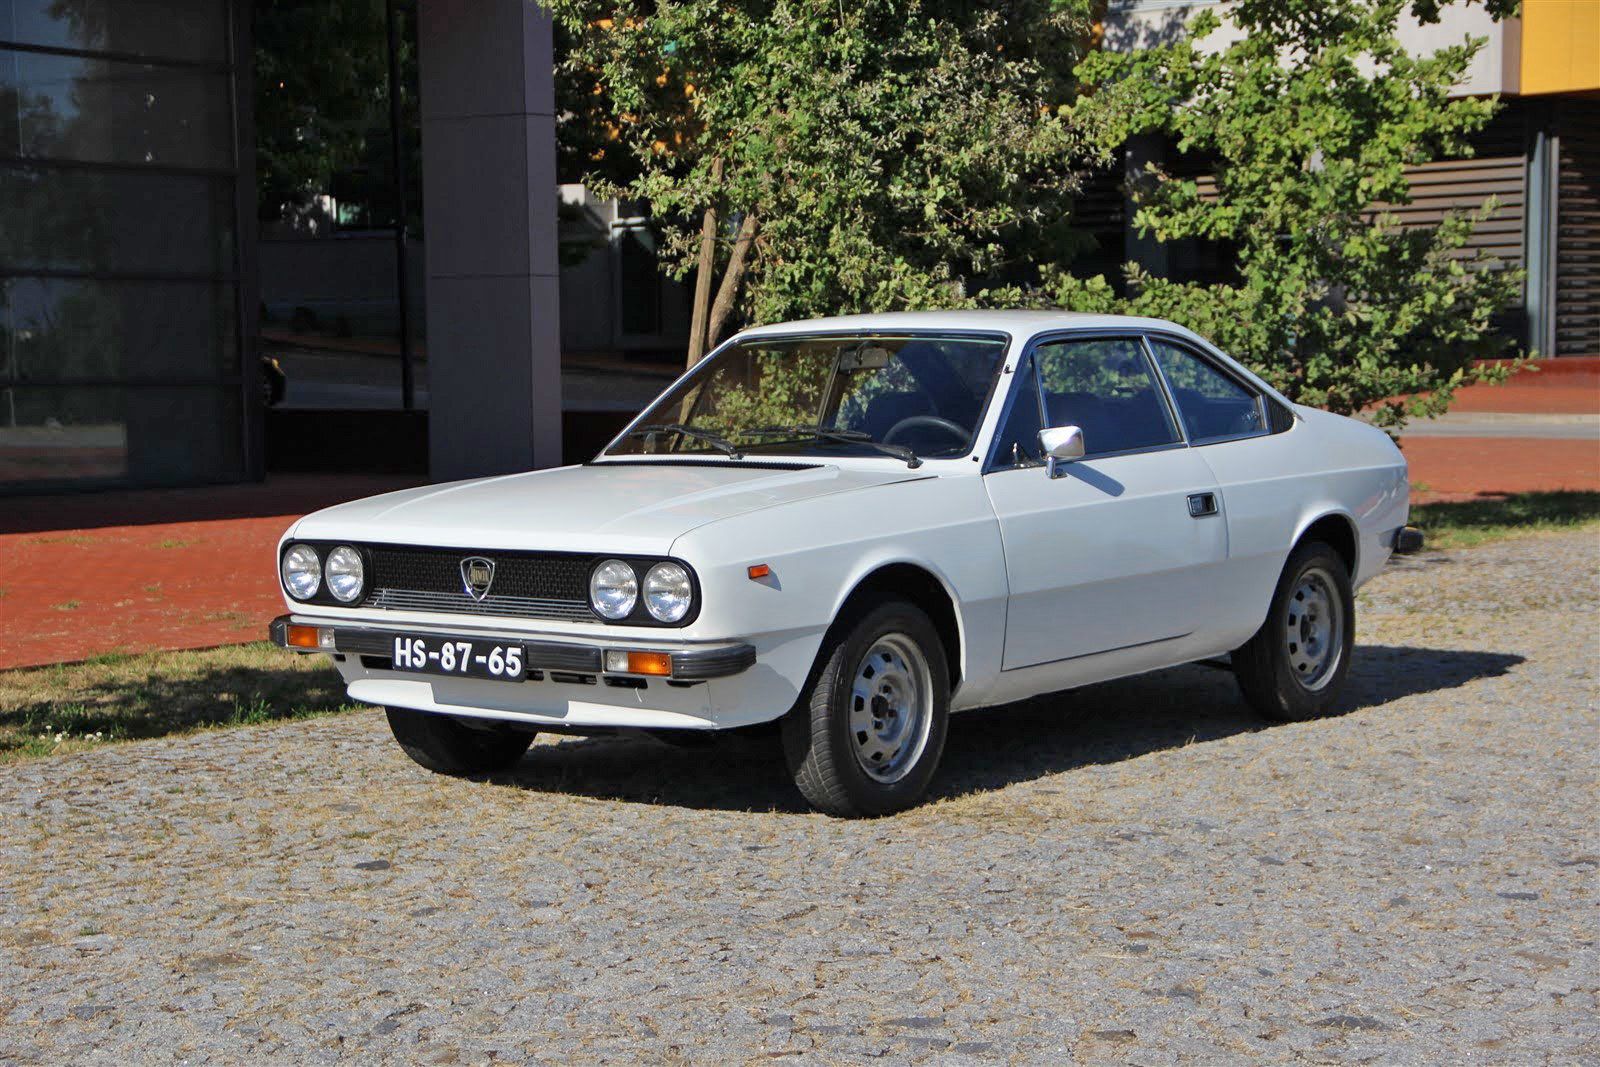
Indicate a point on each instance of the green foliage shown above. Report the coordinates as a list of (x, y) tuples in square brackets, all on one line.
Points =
[(894, 155), (1309, 123)]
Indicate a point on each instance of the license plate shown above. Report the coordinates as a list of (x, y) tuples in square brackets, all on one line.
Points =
[(459, 657)]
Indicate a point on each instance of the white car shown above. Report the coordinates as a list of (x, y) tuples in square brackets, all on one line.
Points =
[(852, 527)]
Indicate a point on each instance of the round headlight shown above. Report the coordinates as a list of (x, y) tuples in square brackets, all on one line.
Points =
[(345, 573), (301, 570), (613, 589), (668, 592)]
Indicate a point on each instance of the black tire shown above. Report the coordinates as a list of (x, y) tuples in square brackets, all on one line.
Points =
[(1281, 679), (447, 745), (819, 743)]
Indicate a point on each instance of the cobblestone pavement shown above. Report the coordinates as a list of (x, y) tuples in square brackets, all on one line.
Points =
[(1133, 872)]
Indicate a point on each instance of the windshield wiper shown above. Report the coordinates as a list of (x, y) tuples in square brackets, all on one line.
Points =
[(845, 437), (721, 444)]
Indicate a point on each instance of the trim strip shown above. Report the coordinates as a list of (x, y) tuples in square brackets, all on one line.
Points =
[(1101, 652)]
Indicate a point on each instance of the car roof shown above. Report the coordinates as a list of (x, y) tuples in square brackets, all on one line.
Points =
[(1019, 324)]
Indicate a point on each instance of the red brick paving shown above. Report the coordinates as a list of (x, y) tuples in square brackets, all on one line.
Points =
[(1461, 468), (1569, 385), (85, 575), (1556, 398)]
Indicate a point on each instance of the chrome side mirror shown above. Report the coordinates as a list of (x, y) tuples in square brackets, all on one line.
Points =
[(1061, 444)]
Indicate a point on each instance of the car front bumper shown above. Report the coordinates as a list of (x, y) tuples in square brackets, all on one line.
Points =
[(584, 660)]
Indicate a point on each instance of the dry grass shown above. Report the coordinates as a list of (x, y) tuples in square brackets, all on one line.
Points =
[(70, 707), (1464, 524)]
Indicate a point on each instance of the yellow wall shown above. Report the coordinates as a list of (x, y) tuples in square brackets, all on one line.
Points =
[(1560, 46)]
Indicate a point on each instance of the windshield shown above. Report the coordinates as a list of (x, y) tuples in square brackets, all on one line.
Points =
[(913, 396)]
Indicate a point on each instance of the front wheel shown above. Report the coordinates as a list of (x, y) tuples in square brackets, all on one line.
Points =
[(448, 745), (867, 735), (1295, 665)]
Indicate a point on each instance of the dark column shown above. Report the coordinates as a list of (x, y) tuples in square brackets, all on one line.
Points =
[(489, 211)]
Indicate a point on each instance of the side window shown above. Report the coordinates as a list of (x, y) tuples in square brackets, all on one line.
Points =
[(1017, 444), (1106, 387), (1211, 404)]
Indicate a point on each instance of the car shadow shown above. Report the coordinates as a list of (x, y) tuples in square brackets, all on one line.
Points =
[(989, 749)]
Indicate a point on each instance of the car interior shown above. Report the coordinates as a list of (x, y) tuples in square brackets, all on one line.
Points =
[(941, 391)]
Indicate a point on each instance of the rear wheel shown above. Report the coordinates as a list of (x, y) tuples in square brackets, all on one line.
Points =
[(446, 744), (867, 735), (1295, 665)]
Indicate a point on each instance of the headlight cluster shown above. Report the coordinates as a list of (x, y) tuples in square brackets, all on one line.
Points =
[(342, 573), (614, 589)]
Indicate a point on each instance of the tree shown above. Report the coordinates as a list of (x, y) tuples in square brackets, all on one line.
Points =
[(1310, 122), (321, 106), (827, 158)]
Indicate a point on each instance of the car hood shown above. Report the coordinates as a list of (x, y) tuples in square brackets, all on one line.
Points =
[(604, 507)]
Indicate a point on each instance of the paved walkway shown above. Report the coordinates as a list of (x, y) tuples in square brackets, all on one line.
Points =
[(1137, 872), (82, 576), (1464, 468), (1577, 427)]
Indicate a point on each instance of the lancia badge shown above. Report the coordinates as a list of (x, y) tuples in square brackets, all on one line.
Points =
[(477, 574)]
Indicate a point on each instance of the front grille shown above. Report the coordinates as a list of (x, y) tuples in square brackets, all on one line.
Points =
[(528, 585)]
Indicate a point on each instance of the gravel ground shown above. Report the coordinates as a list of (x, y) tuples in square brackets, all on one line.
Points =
[(1133, 872)]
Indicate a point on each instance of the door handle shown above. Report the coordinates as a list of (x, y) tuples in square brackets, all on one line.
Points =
[(1202, 504)]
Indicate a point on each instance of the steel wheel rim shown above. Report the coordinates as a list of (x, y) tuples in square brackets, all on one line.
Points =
[(1313, 629), (891, 708)]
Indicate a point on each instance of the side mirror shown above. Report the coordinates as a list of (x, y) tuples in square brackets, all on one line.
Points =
[(1061, 444)]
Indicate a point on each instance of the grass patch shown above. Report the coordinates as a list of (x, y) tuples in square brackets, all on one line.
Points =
[(70, 707), (1462, 524)]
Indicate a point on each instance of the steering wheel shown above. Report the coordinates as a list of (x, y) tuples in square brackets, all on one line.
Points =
[(935, 421)]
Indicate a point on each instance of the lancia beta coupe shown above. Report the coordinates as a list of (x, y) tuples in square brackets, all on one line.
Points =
[(851, 528)]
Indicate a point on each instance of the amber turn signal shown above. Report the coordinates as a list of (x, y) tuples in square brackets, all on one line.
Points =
[(657, 663), (759, 571), (301, 637)]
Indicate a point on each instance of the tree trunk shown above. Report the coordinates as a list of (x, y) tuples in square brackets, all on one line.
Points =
[(731, 277), (702, 274)]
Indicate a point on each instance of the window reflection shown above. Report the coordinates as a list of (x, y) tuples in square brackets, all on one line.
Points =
[(153, 435), (102, 111), (167, 29), (49, 435), (72, 329), (98, 221)]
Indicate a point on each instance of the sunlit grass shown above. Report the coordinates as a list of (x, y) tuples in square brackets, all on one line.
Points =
[(71, 707), (1462, 524)]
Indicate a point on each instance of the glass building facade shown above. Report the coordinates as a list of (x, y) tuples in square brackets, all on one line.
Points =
[(122, 359)]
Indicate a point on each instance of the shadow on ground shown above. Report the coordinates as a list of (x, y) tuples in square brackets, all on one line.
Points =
[(993, 748), (130, 698)]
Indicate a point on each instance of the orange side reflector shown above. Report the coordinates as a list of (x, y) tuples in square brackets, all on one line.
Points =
[(301, 637), (759, 571), (658, 663)]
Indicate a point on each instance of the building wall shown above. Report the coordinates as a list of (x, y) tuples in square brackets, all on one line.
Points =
[(1131, 24), (1560, 46), (121, 351)]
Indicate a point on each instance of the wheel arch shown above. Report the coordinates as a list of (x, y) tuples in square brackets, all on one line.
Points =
[(921, 586), (1339, 531)]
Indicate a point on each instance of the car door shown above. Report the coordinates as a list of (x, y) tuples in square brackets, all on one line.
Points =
[(1122, 548), (1233, 427)]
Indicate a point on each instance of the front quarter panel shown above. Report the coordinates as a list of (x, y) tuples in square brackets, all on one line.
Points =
[(819, 551)]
